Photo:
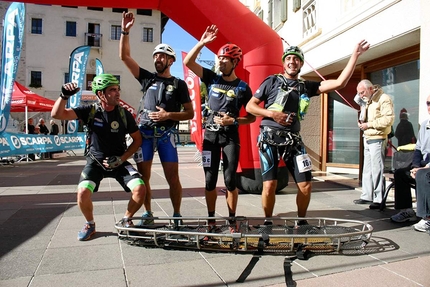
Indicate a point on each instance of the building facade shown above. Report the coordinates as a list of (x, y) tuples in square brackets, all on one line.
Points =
[(327, 31)]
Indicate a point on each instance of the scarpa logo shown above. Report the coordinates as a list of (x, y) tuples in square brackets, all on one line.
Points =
[(57, 140), (76, 75), (72, 127), (15, 142)]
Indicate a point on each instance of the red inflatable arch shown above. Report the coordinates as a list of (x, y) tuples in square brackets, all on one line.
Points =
[(261, 46)]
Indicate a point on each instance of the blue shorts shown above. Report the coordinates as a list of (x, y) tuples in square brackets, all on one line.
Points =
[(163, 142)]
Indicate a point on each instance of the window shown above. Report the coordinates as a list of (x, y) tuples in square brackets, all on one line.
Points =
[(115, 32), (71, 28), (119, 10), (309, 19), (93, 36), (144, 12), (36, 26), (35, 79), (148, 35), (296, 5)]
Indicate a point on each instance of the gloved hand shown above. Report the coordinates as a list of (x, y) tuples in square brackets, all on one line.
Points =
[(113, 162), (68, 90)]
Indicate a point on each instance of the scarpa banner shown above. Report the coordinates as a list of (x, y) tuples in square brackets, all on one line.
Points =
[(20, 144), (193, 85), (99, 67), (13, 31), (77, 71)]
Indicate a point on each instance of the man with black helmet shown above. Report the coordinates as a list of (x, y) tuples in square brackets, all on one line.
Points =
[(227, 94), (165, 102), (107, 153), (286, 100)]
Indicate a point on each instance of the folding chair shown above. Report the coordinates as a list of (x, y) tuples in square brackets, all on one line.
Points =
[(401, 159)]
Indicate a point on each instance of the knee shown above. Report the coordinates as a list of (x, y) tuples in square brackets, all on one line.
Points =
[(230, 181), (83, 194)]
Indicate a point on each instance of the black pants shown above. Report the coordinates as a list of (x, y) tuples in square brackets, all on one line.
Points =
[(402, 194)]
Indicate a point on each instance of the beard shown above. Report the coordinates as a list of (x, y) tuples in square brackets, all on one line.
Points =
[(159, 67)]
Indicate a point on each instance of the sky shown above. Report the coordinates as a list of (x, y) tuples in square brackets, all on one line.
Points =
[(180, 40)]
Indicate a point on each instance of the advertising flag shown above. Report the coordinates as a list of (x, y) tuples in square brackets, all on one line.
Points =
[(99, 67), (77, 72), (193, 84), (13, 32)]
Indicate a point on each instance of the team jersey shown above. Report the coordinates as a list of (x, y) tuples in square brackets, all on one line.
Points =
[(173, 93), (225, 96), (108, 130), (268, 91)]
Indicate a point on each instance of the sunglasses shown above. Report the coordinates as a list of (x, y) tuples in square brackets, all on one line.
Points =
[(428, 103)]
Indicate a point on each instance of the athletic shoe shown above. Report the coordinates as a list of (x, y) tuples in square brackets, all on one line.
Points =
[(302, 222), (362, 201), (423, 225), (125, 222), (147, 221), (87, 231), (404, 215), (177, 222)]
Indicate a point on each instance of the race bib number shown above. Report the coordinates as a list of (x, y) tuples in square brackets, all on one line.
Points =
[(304, 162), (206, 158)]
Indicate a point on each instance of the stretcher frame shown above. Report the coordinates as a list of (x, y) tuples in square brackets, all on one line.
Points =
[(284, 237)]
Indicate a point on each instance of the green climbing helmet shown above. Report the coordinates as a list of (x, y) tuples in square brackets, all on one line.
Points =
[(294, 50), (103, 81)]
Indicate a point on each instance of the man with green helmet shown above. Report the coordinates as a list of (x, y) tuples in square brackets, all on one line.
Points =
[(286, 99), (165, 102), (107, 153)]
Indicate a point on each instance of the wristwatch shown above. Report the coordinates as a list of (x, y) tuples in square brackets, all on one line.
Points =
[(235, 122)]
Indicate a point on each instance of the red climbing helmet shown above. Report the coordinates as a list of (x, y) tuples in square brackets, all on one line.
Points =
[(230, 50)]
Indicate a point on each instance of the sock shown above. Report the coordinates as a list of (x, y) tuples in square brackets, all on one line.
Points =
[(211, 214), (90, 222), (231, 214)]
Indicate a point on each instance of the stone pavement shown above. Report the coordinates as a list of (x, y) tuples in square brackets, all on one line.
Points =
[(40, 219)]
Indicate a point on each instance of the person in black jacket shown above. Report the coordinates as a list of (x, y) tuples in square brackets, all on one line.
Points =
[(404, 133)]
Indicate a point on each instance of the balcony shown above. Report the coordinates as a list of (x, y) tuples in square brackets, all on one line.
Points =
[(93, 40)]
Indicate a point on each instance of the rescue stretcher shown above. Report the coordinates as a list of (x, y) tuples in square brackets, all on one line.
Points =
[(249, 235)]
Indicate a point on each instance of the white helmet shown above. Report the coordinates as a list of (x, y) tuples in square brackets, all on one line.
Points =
[(165, 49)]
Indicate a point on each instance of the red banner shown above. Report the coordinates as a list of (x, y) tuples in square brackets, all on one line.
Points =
[(193, 84)]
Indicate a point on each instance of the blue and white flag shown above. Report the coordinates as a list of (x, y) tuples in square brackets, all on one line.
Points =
[(13, 32), (99, 67), (77, 72)]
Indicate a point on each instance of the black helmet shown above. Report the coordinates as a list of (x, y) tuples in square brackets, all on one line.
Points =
[(294, 50)]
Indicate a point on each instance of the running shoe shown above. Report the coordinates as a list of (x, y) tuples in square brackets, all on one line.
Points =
[(87, 231), (125, 222), (404, 215), (423, 225), (145, 220)]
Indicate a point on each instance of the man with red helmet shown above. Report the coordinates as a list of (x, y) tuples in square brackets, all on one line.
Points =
[(226, 95), (286, 99)]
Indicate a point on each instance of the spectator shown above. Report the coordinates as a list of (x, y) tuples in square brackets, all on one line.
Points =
[(404, 133), (43, 129), (376, 125), (404, 177), (54, 128)]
